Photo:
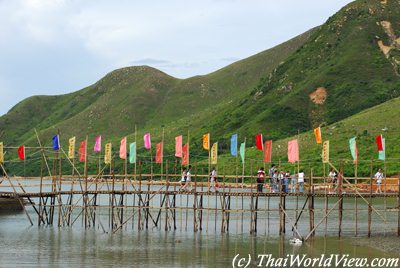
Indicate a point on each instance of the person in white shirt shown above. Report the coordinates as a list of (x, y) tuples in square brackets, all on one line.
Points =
[(213, 180), (300, 180), (378, 177), (183, 180), (189, 178), (333, 178)]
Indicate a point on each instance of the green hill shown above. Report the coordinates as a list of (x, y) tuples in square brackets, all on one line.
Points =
[(141, 96), (349, 64)]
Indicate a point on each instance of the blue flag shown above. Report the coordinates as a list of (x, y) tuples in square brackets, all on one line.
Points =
[(56, 142), (234, 145)]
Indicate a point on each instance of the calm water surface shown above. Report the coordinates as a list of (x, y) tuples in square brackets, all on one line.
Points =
[(22, 245)]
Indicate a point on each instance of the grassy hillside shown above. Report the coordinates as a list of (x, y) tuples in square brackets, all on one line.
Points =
[(345, 60), (347, 65)]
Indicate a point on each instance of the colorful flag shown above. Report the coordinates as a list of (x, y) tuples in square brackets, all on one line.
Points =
[(147, 141), (97, 145), (71, 148), (293, 151), (267, 151), (381, 154), (234, 144), (214, 154), (56, 142), (353, 149), (178, 146), (82, 152), (159, 153), (379, 142), (318, 136), (132, 153), (107, 153), (1, 153), (242, 151), (206, 141), (21, 152), (259, 142), (185, 155), (122, 149), (325, 152)]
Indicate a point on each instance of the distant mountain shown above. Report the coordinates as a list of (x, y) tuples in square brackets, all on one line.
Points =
[(347, 65), (141, 96)]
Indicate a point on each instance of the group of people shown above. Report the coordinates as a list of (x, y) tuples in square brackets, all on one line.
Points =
[(280, 181), (186, 180)]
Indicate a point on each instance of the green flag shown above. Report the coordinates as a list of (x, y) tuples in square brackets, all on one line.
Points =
[(242, 148), (353, 148), (132, 153), (381, 154)]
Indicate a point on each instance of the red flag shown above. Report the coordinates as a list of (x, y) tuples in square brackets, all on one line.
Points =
[(122, 149), (82, 152), (293, 151), (159, 153), (178, 146), (185, 155), (379, 142), (259, 142), (268, 151), (21, 152)]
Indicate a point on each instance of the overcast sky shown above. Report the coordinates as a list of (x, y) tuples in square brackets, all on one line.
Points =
[(50, 47)]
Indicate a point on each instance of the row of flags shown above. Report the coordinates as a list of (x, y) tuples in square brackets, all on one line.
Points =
[(182, 150)]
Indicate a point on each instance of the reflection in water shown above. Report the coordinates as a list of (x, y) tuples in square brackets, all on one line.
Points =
[(79, 247)]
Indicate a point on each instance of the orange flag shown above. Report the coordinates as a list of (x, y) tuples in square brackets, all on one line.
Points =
[(267, 151), (318, 137), (122, 149), (159, 153), (185, 155), (82, 152), (293, 151), (178, 146), (206, 141)]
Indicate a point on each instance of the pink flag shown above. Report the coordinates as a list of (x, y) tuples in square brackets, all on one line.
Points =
[(147, 141), (97, 145), (293, 151), (122, 149), (178, 146)]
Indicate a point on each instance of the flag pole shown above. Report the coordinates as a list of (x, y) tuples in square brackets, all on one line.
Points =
[(86, 166), (244, 160), (209, 160), (125, 163), (162, 153), (298, 143), (188, 149), (135, 153)]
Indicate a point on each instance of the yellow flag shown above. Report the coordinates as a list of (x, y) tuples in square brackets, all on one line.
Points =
[(107, 154), (214, 154), (318, 137), (325, 152), (71, 148), (1, 153), (206, 141)]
